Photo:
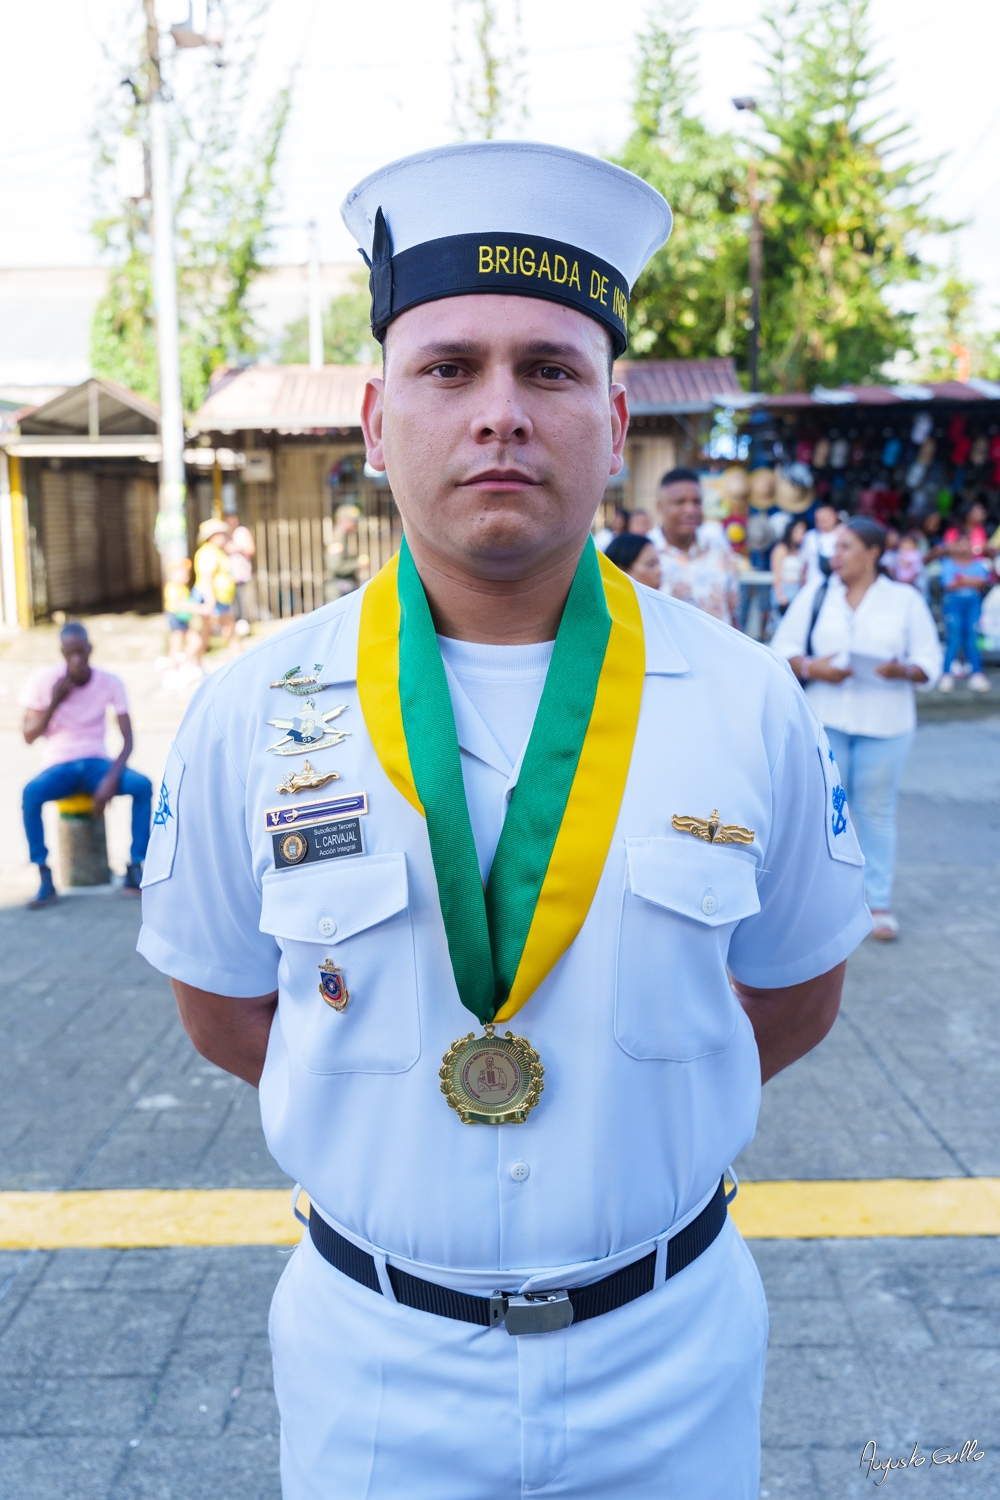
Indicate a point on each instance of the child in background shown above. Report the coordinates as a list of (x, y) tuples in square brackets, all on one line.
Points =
[(909, 565), (179, 608), (964, 579)]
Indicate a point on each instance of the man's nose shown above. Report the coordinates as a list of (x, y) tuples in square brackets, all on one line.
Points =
[(500, 415)]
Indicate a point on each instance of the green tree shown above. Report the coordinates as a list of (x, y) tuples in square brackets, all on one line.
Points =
[(691, 301), (224, 192), (844, 209), (347, 335), (486, 76)]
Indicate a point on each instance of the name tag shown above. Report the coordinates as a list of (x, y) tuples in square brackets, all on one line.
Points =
[(304, 846)]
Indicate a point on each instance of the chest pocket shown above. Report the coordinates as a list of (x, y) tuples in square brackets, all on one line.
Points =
[(682, 899), (355, 913)]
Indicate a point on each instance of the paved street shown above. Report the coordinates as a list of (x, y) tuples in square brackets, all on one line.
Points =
[(146, 1373)]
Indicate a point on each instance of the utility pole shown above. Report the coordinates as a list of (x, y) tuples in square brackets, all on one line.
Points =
[(756, 253), (171, 522), (315, 302)]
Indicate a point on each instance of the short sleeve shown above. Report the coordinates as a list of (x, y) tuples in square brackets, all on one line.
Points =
[(201, 902), (117, 696), (36, 691), (811, 888)]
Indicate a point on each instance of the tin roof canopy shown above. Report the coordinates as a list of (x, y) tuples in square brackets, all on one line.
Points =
[(97, 419)]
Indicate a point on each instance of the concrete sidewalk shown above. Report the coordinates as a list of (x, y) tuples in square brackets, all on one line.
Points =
[(146, 1373)]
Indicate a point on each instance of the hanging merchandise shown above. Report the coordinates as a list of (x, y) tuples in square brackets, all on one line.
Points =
[(803, 451), (858, 453), (928, 448), (923, 424), (980, 450), (762, 483), (995, 458), (891, 452), (821, 453), (840, 450)]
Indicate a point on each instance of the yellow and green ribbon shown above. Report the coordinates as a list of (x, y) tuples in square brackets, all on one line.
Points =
[(504, 939)]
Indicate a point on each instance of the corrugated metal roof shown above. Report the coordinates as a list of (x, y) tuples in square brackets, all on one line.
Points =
[(885, 395), (660, 386), (286, 398), (119, 412), (297, 398)]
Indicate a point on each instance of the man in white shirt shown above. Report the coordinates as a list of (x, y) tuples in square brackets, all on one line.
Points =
[(696, 568), (553, 1300)]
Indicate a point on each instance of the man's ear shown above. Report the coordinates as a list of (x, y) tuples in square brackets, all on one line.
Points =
[(619, 427), (372, 410)]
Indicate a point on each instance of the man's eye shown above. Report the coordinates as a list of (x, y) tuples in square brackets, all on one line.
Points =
[(446, 372), (552, 372)]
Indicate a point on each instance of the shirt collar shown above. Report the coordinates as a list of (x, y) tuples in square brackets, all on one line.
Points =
[(663, 656)]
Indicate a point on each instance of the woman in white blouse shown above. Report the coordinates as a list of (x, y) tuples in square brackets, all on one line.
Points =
[(861, 643)]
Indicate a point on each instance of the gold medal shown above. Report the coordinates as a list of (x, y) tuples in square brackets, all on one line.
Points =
[(491, 1080)]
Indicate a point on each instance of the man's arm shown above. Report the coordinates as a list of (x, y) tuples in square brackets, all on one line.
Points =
[(790, 1022), (36, 720), (108, 784), (232, 1033)]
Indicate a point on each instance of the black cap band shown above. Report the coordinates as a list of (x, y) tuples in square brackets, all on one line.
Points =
[(526, 265)]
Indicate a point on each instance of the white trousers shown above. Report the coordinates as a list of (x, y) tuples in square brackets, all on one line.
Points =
[(660, 1398)]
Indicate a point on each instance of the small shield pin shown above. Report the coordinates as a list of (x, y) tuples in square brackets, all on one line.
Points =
[(332, 986)]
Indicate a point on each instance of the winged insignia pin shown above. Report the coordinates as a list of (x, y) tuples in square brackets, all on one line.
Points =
[(308, 730), (713, 830), (302, 684)]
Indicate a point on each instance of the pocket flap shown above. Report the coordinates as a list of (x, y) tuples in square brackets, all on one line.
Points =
[(710, 885), (333, 901)]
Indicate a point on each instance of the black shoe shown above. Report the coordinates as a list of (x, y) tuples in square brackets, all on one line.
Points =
[(47, 893), (132, 883)]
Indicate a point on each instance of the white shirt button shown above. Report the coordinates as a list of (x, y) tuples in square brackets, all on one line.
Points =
[(519, 1171), (709, 904), (327, 926)]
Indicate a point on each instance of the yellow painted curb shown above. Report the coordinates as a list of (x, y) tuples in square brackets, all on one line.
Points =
[(892, 1207), (133, 1218)]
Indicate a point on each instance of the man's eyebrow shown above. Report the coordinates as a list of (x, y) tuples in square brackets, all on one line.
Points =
[(457, 349), (530, 349)]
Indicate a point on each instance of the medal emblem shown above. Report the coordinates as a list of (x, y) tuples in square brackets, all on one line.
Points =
[(294, 848), (332, 986), (491, 1080), (308, 730)]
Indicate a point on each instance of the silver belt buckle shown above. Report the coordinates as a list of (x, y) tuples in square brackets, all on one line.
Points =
[(538, 1312)]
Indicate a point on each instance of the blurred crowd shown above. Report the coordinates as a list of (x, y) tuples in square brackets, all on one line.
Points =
[(209, 593), (747, 569)]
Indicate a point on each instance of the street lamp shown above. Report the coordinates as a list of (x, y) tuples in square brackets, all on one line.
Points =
[(756, 247)]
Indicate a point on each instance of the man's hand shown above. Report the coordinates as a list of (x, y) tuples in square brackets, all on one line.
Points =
[(106, 788), (61, 690), (788, 1023), (232, 1033)]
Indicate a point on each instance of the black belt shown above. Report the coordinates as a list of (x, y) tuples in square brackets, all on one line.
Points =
[(539, 1312)]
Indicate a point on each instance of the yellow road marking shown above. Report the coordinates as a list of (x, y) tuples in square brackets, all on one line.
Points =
[(131, 1218)]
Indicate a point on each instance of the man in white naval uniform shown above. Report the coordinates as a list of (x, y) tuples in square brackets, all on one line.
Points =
[(503, 778)]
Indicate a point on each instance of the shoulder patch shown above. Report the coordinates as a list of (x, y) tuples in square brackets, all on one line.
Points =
[(841, 840), (163, 839)]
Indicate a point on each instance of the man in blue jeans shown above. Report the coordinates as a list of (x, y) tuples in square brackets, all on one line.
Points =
[(66, 708)]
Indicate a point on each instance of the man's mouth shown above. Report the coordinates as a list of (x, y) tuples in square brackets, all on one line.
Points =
[(500, 479)]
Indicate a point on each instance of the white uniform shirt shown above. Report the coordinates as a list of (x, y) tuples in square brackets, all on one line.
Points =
[(817, 544), (892, 623), (652, 1078)]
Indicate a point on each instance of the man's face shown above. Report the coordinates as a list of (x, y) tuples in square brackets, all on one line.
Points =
[(680, 511), (497, 428), (826, 518), (76, 652)]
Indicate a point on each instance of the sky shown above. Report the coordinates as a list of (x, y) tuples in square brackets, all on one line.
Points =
[(373, 82)]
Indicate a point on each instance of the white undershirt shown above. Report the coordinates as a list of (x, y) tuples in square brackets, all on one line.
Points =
[(495, 692), (504, 685)]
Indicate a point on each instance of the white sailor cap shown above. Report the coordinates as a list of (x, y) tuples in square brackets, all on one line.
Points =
[(506, 216)]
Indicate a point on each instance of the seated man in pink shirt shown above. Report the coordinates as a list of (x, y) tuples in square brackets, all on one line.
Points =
[(65, 707)]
